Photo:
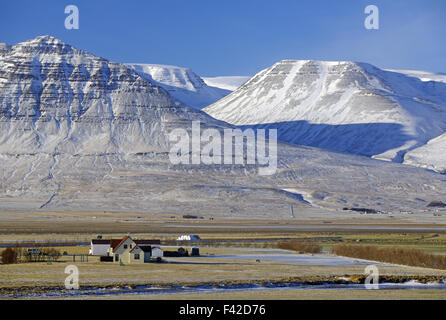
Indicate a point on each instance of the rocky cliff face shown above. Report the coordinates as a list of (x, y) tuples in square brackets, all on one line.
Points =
[(56, 98)]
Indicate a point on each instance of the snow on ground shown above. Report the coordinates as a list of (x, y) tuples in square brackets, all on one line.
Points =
[(301, 259), (230, 83), (422, 75), (430, 156)]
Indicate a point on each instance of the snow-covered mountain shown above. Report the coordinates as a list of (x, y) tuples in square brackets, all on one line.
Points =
[(341, 106), (182, 83), (230, 83), (81, 133), (56, 98)]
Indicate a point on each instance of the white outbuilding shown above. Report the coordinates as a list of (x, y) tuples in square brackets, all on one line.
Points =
[(188, 237), (99, 247)]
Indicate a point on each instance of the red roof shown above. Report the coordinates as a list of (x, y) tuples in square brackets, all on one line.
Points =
[(114, 242), (120, 242)]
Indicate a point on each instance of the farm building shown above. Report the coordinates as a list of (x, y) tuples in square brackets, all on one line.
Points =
[(122, 248), (99, 247), (188, 237), (127, 250), (139, 254)]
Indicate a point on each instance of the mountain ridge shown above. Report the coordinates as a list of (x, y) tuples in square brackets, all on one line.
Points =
[(52, 92), (339, 106)]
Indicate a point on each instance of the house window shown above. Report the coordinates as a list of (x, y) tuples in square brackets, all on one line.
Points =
[(116, 257), (130, 246), (136, 256), (125, 246)]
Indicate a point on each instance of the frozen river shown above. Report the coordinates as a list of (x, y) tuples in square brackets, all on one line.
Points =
[(155, 290)]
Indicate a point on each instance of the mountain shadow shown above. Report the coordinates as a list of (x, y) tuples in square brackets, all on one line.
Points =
[(366, 139)]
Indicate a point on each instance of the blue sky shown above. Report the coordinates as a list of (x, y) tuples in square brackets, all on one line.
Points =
[(239, 37)]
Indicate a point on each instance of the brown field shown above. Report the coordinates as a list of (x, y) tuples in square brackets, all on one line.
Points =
[(300, 246), (402, 256)]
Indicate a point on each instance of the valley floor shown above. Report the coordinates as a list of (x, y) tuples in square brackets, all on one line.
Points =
[(238, 259)]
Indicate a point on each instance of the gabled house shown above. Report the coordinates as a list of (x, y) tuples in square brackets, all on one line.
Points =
[(124, 246), (139, 254), (127, 250)]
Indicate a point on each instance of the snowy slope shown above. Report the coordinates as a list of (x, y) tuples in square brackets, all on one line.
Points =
[(431, 156), (182, 83), (230, 83), (422, 75), (341, 106)]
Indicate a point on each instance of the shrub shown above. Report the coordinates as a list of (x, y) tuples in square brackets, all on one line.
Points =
[(54, 254), (410, 257), (9, 256), (50, 254), (300, 246)]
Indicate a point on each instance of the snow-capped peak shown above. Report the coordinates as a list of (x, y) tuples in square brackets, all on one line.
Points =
[(174, 76), (339, 105), (56, 98), (4, 47), (182, 83)]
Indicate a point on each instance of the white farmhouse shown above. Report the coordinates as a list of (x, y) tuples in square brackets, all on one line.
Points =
[(127, 250)]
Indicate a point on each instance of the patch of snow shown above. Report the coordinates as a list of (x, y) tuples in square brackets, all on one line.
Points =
[(181, 83), (230, 83), (430, 156)]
